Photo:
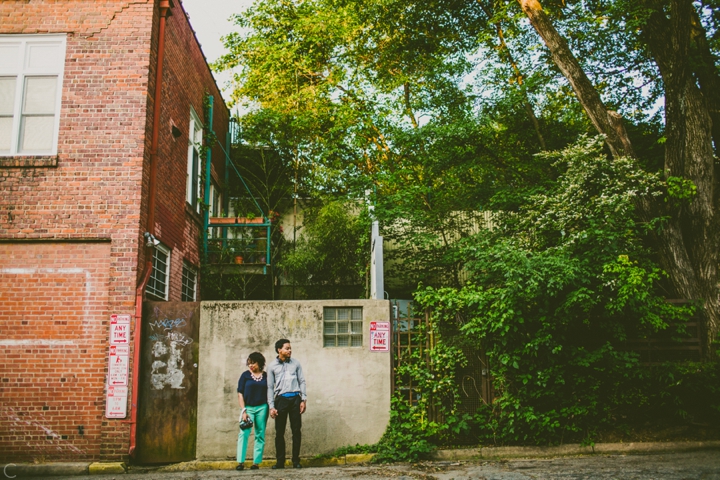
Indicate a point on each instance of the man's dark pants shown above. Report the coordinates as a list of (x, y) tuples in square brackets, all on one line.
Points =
[(287, 407)]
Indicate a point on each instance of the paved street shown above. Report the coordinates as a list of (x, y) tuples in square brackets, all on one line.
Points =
[(700, 465)]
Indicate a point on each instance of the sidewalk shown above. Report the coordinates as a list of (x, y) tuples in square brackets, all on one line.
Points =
[(481, 453)]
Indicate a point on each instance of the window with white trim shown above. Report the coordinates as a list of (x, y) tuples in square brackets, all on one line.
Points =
[(157, 287), (195, 138), (189, 283), (342, 327), (215, 208), (31, 72)]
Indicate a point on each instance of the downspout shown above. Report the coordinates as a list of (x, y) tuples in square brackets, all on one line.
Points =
[(165, 12)]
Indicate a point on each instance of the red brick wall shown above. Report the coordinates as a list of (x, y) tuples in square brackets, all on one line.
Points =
[(179, 227), (53, 349), (97, 192)]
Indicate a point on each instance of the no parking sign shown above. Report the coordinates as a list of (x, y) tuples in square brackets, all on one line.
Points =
[(379, 336)]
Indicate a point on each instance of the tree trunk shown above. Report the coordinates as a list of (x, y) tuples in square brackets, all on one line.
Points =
[(689, 244), (688, 155), (605, 121)]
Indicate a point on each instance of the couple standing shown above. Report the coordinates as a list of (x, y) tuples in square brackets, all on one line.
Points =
[(281, 391)]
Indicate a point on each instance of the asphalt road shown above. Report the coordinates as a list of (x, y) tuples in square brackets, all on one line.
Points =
[(698, 465)]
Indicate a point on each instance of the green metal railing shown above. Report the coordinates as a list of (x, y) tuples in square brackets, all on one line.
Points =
[(239, 240)]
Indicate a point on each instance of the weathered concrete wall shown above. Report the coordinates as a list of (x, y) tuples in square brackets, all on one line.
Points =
[(348, 387)]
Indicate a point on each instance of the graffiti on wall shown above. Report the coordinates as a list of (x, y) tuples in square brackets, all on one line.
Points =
[(169, 343)]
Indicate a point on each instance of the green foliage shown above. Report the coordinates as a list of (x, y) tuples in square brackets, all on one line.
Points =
[(556, 288), (330, 254), (439, 108), (432, 417), (407, 437), (680, 190)]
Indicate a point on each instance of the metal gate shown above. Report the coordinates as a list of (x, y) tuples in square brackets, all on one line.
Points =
[(409, 337), (167, 410)]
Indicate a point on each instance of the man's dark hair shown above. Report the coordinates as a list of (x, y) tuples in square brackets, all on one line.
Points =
[(256, 357), (279, 344)]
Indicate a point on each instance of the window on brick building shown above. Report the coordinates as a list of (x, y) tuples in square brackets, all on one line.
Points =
[(157, 287), (216, 209), (31, 71), (189, 283), (342, 327), (195, 138)]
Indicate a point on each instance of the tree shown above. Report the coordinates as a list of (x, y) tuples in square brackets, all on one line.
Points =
[(674, 38), (329, 259), (361, 90)]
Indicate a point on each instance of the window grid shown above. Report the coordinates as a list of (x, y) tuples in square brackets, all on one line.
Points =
[(31, 72), (342, 327), (158, 284), (189, 284)]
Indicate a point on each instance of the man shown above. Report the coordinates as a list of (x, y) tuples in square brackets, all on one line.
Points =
[(286, 398)]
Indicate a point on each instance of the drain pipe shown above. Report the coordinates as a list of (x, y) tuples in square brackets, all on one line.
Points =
[(165, 12)]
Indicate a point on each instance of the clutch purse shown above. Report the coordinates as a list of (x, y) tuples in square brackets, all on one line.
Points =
[(245, 424)]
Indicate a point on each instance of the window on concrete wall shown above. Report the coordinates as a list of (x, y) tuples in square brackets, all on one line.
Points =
[(342, 327), (31, 71), (195, 137), (189, 283), (159, 278)]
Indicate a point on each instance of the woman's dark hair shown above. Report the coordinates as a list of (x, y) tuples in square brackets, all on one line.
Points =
[(279, 344), (256, 357)]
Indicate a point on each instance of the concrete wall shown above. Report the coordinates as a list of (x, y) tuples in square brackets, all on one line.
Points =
[(348, 388)]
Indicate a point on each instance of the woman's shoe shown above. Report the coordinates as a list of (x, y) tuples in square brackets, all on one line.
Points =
[(240, 466), (254, 466)]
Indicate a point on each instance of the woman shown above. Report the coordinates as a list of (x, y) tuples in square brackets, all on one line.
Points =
[(252, 396)]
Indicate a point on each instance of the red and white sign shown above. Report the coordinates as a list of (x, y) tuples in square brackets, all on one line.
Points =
[(116, 405), (119, 329), (118, 365), (379, 336)]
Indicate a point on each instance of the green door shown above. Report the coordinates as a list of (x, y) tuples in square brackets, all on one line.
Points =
[(167, 414)]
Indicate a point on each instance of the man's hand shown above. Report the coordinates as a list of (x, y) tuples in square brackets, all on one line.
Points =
[(273, 413), (303, 404)]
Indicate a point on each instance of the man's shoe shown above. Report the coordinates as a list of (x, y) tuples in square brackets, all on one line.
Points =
[(254, 466), (297, 465), (240, 466), (278, 467)]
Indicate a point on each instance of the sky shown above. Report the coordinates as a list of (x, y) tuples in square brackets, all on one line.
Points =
[(209, 19)]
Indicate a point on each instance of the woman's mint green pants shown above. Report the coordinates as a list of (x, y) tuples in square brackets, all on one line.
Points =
[(259, 417)]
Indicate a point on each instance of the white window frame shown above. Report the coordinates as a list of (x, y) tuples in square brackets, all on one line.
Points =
[(339, 332), (21, 70), (159, 276), (187, 268), (194, 177), (216, 203)]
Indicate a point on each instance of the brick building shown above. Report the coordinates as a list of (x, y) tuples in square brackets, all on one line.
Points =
[(92, 158)]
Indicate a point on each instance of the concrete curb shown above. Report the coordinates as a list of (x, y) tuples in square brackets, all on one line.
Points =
[(637, 448), (10, 470), (482, 453), (201, 465), (106, 468)]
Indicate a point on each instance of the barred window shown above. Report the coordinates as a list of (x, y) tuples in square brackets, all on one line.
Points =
[(342, 327), (158, 285), (189, 283)]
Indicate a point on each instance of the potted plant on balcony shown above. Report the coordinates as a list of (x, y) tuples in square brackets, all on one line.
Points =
[(223, 219)]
